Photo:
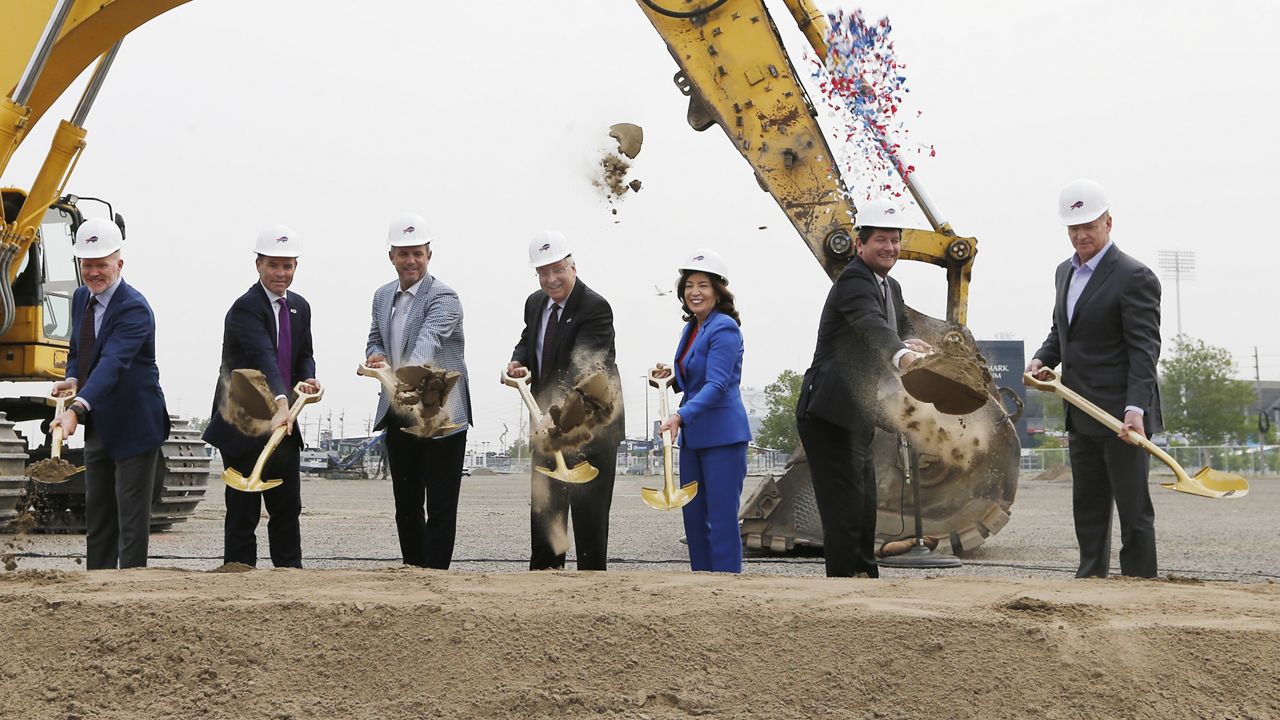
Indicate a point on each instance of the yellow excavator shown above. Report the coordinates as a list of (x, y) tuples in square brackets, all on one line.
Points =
[(737, 74)]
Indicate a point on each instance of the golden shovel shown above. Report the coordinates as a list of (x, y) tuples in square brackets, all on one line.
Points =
[(255, 483), (54, 470), (1208, 482), (390, 383), (580, 473), (669, 497)]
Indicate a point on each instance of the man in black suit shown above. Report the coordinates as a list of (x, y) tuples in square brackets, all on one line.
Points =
[(267, 329), (859, 343), (568, 334), (1106, 333)]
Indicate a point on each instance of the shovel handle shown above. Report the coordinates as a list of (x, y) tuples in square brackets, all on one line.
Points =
[(1054, 385), (522, 384), (382, 374)]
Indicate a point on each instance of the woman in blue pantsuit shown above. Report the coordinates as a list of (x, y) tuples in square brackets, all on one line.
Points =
[(711, 419)]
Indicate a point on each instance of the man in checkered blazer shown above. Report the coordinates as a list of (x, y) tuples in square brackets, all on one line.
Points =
[(418, 319)]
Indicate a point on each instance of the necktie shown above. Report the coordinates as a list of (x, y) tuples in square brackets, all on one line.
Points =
[(284, 344), (84, 353), (890, 313), (548, 339)]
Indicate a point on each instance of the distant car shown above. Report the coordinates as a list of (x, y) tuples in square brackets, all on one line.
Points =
[(637, 470), (466, 472)]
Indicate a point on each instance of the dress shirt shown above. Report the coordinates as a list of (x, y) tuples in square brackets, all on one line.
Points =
[(100, 309), (891, 316), (1080, 277), (399, 315), (275, 314)]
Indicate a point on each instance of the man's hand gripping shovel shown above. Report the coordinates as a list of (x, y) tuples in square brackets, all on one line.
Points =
[(54, 470), (1208, 482), (669, 497), (580, 473), (385, 375), (255, 483)]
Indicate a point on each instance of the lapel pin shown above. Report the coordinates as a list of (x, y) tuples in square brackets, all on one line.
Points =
[(293, 311)]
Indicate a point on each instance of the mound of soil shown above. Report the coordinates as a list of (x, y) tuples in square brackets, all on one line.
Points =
[(408, 643)]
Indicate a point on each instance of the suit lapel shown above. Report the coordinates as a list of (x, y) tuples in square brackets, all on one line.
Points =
[(1065, 273), (563, 327), (385, 304), (684, 339), (1100, 275)]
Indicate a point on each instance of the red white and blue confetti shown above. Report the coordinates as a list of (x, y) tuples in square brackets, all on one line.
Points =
[(864, 84)]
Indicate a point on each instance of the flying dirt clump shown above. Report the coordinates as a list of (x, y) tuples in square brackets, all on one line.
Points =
[(955, 440), (20, 527), (588, 405), (615, 164), (422, 395), (247, 402)]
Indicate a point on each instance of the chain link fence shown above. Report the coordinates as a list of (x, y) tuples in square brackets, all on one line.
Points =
[(1239, 459)]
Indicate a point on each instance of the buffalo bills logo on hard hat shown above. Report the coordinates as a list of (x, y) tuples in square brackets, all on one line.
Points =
[(1077, 205), (91, 239), (890, 211), (545, 247), (283, 238), (700, 258), (408, 230)]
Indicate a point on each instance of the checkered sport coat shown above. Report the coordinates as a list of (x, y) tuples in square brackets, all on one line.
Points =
[(432, 334)]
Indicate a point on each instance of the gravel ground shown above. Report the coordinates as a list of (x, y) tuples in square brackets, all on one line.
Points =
[(350, 524)]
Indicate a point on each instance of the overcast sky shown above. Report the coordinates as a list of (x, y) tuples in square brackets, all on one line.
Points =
[(221, 118)]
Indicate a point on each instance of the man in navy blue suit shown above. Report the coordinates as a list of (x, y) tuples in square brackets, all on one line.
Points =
[(112, 373), (267, 329)]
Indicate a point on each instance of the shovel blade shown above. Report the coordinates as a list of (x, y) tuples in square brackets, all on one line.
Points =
[(423, 431), (1211, 483), (660, 500), (583, 472), (235, 480), (53, 471)]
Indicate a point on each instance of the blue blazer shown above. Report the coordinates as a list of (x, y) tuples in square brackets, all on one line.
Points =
[(123, 391), (711, 412), (249, 341)]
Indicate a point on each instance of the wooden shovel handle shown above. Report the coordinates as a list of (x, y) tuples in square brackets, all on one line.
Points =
[(1054, 385)]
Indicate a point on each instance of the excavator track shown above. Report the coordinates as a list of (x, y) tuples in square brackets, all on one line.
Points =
[(182, 479)]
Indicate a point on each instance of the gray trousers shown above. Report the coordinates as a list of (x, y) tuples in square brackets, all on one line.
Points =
[(117, 496)]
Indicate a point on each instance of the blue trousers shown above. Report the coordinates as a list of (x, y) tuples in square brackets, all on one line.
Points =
[(711, 518)]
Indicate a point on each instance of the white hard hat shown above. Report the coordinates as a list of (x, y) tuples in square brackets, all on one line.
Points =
[(706, 260), (278, 241), (1082, 201), (547, 247), (881, 213), (97, 238), (408, 229)]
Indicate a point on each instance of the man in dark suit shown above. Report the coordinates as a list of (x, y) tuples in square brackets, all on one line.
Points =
[(1106, 333), (568, 334), (111, 371), (859, 343), (267, 329), (417, 319)]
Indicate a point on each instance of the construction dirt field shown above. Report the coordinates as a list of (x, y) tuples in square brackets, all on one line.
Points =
[(356, 635)]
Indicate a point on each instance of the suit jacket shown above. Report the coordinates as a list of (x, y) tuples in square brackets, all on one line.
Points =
[(432, 334), (123, 387), (583, 343), (249, 341), (1110, 348), (711, 412), (855, 349)]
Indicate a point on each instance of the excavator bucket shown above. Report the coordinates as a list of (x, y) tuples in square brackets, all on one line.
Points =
[(966, 493), (1210, 483)]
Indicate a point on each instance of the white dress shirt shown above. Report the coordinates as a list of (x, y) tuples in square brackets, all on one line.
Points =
[(399, 315)]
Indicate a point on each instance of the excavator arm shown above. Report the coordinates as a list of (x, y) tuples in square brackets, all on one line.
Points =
[(737, 74)]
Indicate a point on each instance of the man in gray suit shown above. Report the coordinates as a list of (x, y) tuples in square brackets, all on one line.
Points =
[(1106, 333), (418, 319)]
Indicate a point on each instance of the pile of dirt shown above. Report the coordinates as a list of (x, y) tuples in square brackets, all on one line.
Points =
[(1055, 473), (409, 643)]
